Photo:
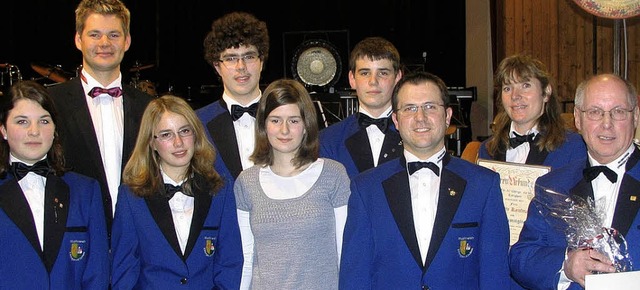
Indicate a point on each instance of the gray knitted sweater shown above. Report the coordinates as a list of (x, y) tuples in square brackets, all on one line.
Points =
[(294, 239)]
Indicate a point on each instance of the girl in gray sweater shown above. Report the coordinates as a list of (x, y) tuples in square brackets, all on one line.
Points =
[(292, 205)]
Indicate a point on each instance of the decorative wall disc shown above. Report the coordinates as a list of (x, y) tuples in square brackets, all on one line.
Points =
[(614, 9)]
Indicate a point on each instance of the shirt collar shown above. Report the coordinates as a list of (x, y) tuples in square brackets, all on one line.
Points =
[(435, 158), (230, 101), (512, 130), (617, 165), (15, 159), (88, 82), (384, 114)]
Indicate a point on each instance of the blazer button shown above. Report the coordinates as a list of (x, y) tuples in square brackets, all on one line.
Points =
[(183, 281), (425, 287)]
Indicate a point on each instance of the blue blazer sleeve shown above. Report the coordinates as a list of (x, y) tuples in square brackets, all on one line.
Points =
[(124, 240), (228, 258), (96, 275)]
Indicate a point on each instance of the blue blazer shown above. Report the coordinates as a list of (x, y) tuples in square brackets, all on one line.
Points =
[(219, 127), (346, 143), (539, 253), (468, 248), (146, 253), (573, 148), (75, 254)]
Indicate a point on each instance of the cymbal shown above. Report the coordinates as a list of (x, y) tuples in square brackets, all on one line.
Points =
[(137, 68), (53, 73)]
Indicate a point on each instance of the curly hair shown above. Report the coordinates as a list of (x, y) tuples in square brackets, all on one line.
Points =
[(233, 30), (519, 68), (31, 90), (142, 172)]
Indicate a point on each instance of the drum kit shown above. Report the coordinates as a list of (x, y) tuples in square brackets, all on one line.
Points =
[(143, 85), (10, 74)]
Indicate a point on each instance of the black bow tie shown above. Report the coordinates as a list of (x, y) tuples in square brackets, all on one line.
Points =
[(590, 173), (20, 170), (519, 139), (113, 92), (238, 111), (170, 190), (365, 121), (417, 165)]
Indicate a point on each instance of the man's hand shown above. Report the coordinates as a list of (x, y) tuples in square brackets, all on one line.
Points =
[(582, 262)]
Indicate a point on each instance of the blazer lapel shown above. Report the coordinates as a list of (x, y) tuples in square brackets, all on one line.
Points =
[(159, 208), (501, 155), (224, 136), (536, 157), (56, 211), (452, 188), (17, 208), (202, 204), (392, 145), (360, 150), (132, 116), (398, 194), (628, 202), (81, 130)]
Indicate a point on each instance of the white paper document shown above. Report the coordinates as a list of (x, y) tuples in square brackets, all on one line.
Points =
[(617, 281)]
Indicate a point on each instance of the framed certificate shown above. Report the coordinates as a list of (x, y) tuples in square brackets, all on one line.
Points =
[(517, 182)]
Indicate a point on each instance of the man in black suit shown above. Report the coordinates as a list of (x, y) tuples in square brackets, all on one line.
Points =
[(102, 115)]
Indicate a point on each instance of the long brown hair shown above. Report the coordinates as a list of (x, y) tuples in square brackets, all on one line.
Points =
[(517, 68), (142, 172), (279, 93)]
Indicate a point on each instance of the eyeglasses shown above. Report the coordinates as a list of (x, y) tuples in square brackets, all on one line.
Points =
[(232, 60), (166, 136), (427, 108), (617, 114)]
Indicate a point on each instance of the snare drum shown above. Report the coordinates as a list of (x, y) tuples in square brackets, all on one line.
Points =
[(147, 87)]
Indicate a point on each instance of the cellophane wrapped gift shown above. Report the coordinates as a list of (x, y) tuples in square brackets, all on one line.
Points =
[(582, 224)]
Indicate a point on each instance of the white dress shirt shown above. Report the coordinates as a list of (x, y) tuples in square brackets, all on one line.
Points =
[(425, 187), (245, 131), (181, 211), (376, 137), (520, 153), (33, 186), (107, 115)]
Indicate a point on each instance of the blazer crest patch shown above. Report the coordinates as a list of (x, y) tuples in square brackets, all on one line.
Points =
[(209, 246), (77, 250), (466, 248)]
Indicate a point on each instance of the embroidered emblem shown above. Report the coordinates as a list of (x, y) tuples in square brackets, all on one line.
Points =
[(77, 250), (465, 248), (209, 246)]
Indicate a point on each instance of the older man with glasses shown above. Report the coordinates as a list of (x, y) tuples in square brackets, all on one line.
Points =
[(606, 114)]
